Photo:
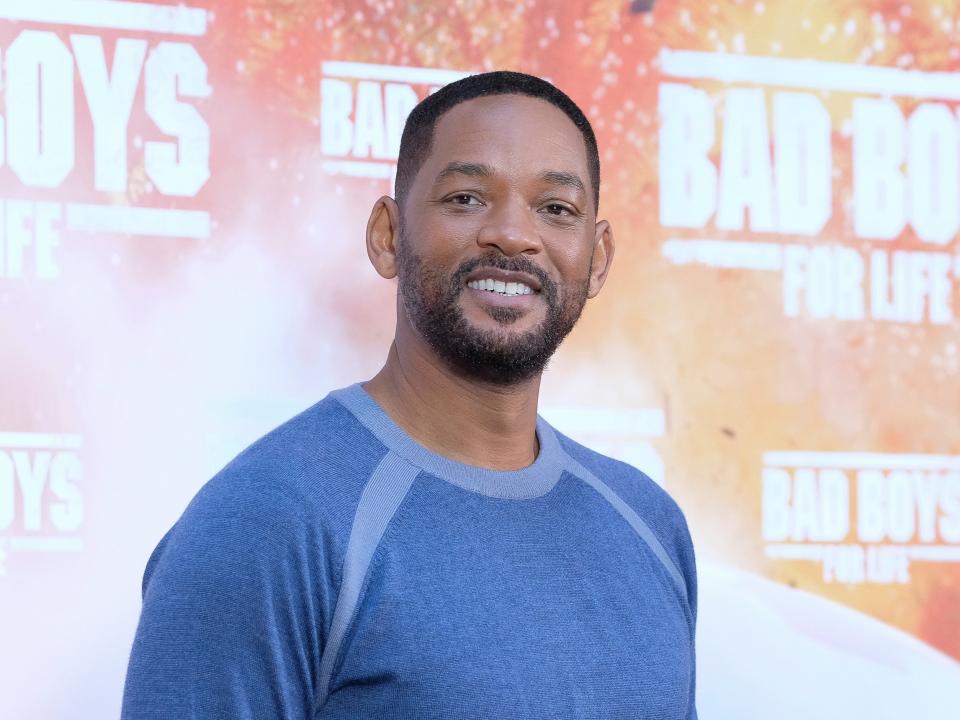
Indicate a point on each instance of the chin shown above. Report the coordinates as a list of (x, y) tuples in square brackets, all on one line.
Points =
[(498, 318)]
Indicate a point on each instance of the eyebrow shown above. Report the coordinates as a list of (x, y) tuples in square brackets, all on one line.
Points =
[(557, 177), (464, 168), (554, 177)]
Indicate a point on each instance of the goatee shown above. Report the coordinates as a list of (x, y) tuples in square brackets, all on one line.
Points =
[(431, 300)]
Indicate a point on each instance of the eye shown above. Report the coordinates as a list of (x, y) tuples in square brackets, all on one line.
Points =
[(558, 210), (464, 199)]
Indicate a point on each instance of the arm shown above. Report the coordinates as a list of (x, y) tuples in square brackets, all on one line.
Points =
[(233, 605)]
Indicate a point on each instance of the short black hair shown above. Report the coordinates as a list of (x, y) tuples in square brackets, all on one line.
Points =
[(417, 138)]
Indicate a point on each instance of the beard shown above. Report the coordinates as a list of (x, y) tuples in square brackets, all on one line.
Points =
[(496, 357)]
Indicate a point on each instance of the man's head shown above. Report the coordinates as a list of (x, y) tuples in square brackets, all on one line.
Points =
[(417, 138), (494, 234)]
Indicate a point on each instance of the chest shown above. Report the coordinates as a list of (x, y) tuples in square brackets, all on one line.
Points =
[(580, 624)]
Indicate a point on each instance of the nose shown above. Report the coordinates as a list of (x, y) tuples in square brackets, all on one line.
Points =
[(510, 228)]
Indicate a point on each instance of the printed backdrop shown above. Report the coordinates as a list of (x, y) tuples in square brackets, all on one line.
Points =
[(183, 196)]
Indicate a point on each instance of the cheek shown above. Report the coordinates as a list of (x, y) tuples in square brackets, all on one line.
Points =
[(571, 259), (442, 240)]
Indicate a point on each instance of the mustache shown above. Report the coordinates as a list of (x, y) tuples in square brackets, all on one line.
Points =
[(520, 263)]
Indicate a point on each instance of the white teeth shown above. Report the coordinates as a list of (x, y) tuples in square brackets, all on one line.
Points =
[(500, 287)]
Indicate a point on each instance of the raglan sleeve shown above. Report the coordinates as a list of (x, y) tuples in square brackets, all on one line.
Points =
[(234, 604), (688, 566)]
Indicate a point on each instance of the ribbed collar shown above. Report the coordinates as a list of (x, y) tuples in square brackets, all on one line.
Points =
[(529, 482)]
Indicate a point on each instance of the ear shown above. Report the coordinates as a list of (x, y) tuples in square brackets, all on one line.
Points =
[(602, 257), (383, 234)]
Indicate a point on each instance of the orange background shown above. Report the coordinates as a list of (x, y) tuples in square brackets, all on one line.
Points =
[(169, 355)]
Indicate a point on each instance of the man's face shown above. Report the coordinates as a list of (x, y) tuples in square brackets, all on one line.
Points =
[(497, 237)]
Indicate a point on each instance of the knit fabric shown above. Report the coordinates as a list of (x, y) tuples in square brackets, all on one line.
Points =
[(338, 569)]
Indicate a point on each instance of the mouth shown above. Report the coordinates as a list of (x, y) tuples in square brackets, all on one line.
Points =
[(502, 283), (498, 287)]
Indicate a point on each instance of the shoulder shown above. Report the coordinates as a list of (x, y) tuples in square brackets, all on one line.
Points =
[(252, 570), (316, 462), (296, 487), (654, 505), (635, 487)]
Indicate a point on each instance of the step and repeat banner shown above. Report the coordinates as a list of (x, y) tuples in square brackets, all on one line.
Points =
[(183, 195)]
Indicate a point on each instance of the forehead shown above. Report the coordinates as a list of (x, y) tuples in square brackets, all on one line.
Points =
[(514, 134)]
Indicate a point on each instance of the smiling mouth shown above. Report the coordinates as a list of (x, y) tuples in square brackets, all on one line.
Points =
[(498, 287)]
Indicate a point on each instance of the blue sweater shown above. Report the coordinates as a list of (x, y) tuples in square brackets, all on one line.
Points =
[(338, 569)]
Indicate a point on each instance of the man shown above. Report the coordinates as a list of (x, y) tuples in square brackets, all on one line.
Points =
[(423, 545)]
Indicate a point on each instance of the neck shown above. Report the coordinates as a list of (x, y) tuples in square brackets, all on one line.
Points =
[(485, 425)]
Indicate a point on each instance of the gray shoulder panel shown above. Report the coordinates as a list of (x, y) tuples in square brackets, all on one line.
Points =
[(381, 496), (635, 521)]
